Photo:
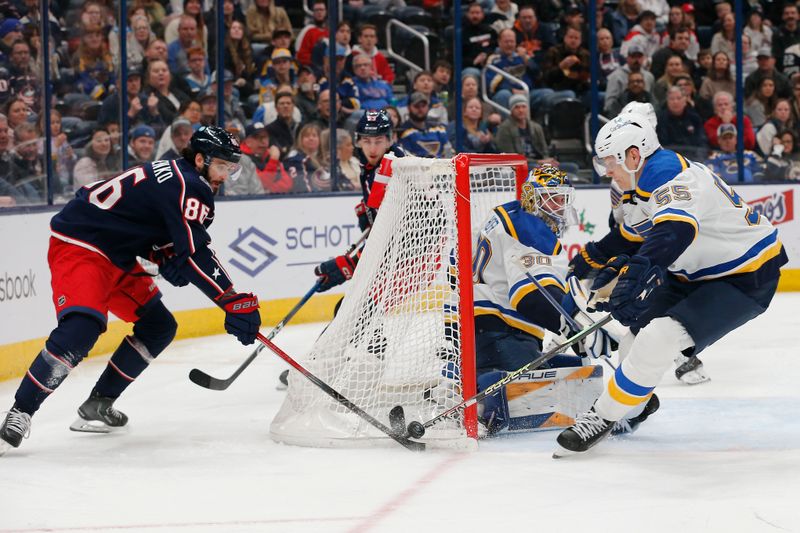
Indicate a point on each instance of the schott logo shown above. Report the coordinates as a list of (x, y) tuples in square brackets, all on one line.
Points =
[(252, 254)]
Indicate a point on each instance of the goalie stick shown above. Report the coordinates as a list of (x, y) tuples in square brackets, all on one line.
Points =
[(417, 429), (340, 398), (198, 377), (557, 306)]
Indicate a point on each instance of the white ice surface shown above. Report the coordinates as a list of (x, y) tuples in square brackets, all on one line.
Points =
[(722, 456)]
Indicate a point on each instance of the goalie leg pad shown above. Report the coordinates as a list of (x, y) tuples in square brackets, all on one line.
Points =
[(541, 400), (652, 353)]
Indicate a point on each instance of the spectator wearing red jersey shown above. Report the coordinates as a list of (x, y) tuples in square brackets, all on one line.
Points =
[(312, 33), (367, 44), (724, 113)]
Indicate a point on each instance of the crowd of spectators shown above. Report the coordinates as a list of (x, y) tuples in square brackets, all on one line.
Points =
[(680, 57)]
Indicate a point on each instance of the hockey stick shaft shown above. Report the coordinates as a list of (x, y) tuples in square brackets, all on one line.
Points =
[(557, 306), (488, 391), (210, 382), (340, 398), (202, 379)]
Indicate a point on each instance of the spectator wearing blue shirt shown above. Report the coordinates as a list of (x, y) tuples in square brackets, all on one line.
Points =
[(373, 93), (724, 161), (507, 59), (187, 39), (419, 136)]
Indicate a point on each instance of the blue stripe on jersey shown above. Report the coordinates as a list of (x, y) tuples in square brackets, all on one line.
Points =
[(765, 248), (660, 168), (510, 317), (678, 215)]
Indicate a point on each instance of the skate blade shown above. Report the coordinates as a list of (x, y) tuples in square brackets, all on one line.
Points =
[(693, 378), (93, 426), (4, 447), (562, 452)]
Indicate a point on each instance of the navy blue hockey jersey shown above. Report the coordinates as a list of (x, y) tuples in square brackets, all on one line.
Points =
[(146, 208)]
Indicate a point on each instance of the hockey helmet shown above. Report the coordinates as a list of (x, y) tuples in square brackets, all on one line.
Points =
[(645, 109), (548, 194), (374, 123), (213, 141), (615, 137)]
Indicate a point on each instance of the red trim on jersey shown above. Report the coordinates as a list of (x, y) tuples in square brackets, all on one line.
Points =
[(204, 276), (36, 382), (120, 372), (77, 242), (183, 198)]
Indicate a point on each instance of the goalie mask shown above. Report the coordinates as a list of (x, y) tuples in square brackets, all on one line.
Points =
[(548, 194)]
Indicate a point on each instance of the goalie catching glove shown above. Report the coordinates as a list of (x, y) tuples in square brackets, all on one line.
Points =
[(335, 271), (242, 319), (637, 280)]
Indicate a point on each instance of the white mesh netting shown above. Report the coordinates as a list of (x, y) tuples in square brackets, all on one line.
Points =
[(395, 338)]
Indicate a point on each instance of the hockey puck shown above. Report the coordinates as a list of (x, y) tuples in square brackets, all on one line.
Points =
[(416, 430)]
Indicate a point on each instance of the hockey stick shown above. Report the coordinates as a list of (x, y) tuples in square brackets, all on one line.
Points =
[(199, 377), (417, 429), (339, 397), (557, 306)]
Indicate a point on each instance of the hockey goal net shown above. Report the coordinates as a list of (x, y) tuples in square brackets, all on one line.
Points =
[(404, 334)]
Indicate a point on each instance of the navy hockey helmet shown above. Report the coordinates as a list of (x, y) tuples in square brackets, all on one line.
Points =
[(374, 123), (213, 141)]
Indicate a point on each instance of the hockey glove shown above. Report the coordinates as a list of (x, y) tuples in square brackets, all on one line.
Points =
[(334, 272), (242, 318), (637, 280), (588, 261), (366, 216), (595, 345), (168, 266)]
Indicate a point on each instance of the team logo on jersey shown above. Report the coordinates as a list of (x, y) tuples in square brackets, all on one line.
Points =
[(778, 208), (62, 300), (252, 253)]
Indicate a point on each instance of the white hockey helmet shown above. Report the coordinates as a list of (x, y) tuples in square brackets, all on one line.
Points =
[(615, 137), (645, 109)]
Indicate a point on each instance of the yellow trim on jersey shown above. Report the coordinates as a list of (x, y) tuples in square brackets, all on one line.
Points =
[(525, 290), (629, 236), (644, 194), (507, 221), (684, 164), (679, 218), (759, 260), (557, 249), (511, 321), (623, 397)]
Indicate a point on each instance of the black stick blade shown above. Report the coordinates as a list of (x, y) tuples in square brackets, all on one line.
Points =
[(397, 420), (198, 377)]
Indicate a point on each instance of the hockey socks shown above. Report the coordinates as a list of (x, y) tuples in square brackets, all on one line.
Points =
[(128, 361), (67, 345), (151, 334)]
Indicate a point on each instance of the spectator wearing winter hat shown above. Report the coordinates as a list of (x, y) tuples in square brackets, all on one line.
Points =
[(141, 146), (10, 31), (521, 135)]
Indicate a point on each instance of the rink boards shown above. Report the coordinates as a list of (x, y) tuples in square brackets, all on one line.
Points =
[(270, 246)]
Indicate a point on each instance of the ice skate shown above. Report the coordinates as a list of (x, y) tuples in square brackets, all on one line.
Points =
[(16, 426), (588, 429), (690, 370), (97, 415), (629, 425)]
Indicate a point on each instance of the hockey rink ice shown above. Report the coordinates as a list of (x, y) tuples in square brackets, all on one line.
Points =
[(721, 456)]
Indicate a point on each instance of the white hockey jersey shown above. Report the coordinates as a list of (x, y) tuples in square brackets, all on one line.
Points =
[(508, 236), (730, 238)]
